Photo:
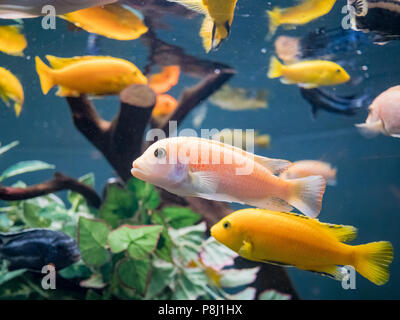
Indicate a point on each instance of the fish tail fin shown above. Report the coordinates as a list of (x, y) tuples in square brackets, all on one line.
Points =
[(307, 194), (274, 21), (45, 76), (370, 130), (275, 68), (221, 33), (17, 108), (373, 260)]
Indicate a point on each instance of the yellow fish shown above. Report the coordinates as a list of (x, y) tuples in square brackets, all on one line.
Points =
[(308, 74), (303, 13), (11, 89), (112, 21), (88, 75), (241, 138), (12, 41), (308, 244), (218, 21)]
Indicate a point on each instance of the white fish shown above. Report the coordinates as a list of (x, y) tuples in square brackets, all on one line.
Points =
[(20, 9)]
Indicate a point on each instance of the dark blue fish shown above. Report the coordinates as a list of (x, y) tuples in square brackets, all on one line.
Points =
[(35, 248), (329, 44), (331, 102)]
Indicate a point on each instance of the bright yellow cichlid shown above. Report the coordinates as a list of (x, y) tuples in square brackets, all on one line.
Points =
[(12, 41), (218, 21), (303, 13), (11, 89), (308, 74), (112, 21), (308, 244), (88, 75)]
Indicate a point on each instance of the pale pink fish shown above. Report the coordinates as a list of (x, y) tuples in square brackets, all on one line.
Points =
[(197, 167), (384, 115), (306, 168)]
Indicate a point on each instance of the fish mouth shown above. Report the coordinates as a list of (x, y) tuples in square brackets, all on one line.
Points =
[(138, 171)]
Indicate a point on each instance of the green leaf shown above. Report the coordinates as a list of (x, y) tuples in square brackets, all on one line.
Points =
[(232, 278), (273, 295), (189, 284), (178, 217), (6, 275), (153, 201), (92, 295), (92, 239), (164, 246), (77, 270), (187, 242), (77, 199), (8, 147), (120, 204), (161, 275), (24, 167), (246, 294), (31, 216), (216, 255), (135, 274), (139, 241), (95, 281)]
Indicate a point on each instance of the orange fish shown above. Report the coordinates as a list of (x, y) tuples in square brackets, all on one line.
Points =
[(165, 105), (196, 167), (163, 82)]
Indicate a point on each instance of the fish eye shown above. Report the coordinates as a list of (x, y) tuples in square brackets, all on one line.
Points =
[(160, 153), (227, 225), (338, 71)]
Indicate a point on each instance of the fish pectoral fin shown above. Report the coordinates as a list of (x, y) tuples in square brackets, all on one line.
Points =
[(204, 182), (195, 5), (246, 249), (371, 129), (276, 166), (271, 203), (333, 271), (206, 32)]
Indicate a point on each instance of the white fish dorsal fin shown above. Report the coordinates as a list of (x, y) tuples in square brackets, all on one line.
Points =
[(195, 5), (276, 166), (371, 129), (204, 182)]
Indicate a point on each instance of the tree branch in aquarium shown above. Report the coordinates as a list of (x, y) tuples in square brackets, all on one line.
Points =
[(60, 182)]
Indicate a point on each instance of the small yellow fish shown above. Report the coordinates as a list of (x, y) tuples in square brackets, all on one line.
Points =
[(11, 89), (303, 13), (112, 21), (241, 138), (218, 21), (309, 74), (12, 41), (308, 244), (88, 75)]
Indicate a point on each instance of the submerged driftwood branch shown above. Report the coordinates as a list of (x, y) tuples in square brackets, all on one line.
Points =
[(60, 182)]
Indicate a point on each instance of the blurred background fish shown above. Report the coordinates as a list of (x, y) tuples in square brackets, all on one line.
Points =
[(322, 44), (237, 99), (113, 21), (241, 138), (304, 12), (11, 89), (35, 248), (12, 40), (321, 99), (379, 16), (20, 9)]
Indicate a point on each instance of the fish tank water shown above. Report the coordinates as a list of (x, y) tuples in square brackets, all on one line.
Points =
[(366, 194)]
